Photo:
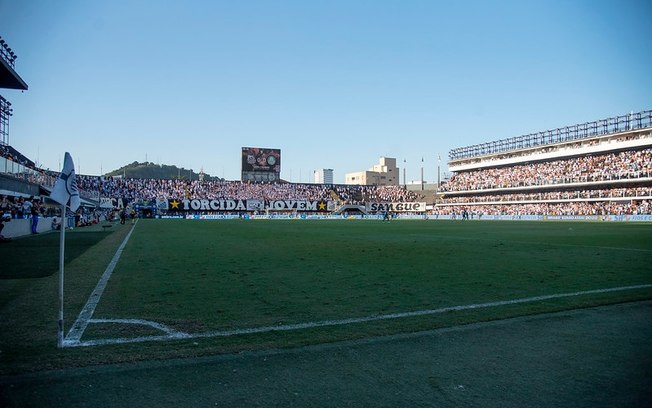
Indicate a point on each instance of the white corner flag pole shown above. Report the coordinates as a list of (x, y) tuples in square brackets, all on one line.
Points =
[(65, 190), (62, 242)]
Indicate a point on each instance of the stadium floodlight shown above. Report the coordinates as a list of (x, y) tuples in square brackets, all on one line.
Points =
[(7, 54), (404, 165), (421, 173), (5, 113), (438, 171)]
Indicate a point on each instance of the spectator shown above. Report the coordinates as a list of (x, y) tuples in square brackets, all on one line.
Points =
[(35, 212), (3, 219)]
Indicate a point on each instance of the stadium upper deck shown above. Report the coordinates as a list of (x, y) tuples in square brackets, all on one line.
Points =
[(611, 134)]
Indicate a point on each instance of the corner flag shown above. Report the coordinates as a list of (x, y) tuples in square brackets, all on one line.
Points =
[(65, 192), (65, 188)]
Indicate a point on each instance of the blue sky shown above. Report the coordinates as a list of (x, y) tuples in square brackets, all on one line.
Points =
[(333, 84)]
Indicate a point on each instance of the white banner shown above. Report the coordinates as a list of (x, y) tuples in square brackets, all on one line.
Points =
[(396, 207)]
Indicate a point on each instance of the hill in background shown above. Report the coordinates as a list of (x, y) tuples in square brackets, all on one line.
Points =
[(149, 170)]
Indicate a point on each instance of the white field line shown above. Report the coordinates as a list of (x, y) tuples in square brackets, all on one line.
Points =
[(78, 328), (169, 331), (324, 323)]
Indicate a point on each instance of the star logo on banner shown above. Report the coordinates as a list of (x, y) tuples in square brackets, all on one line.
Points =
[(174, 204), (322, 206)]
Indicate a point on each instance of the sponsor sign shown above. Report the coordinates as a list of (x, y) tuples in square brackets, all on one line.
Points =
[(573, 217), (396, 207)]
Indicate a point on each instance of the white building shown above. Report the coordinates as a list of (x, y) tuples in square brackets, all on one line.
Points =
[(385, 173), (323, 176)]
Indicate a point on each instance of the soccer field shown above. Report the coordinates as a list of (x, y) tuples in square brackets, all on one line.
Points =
[(182, 288)]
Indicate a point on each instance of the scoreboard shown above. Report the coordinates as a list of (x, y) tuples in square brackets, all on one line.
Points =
[(261, 164)]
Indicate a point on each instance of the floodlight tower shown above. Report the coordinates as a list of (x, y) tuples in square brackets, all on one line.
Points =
[(9, 79), (438, 172), (404, 164), (421, 173), (5, 113)]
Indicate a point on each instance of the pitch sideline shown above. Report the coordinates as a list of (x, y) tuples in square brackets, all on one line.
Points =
[(174, 335)]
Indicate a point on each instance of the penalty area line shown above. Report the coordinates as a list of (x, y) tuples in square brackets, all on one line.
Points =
[(354, 320), (78, 328)]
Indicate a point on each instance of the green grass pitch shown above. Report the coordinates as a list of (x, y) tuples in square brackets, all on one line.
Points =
[(205, 276)]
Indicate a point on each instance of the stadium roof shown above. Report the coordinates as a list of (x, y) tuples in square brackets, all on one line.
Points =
[(9, 78)]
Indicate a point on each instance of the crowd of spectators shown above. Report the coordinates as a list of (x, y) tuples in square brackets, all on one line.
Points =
[(632, 193), (151, 189), (9, 153), (574, 208), (32, 208), (392, 194), (604, 167), (632, 164), (22, 207), (582, 200)]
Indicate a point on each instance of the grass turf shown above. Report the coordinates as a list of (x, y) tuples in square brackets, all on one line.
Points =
[(38, 256), (198, 276)]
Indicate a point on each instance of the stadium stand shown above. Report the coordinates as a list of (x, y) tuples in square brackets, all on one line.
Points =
[(152, 189), (596, 168), (589, 169)]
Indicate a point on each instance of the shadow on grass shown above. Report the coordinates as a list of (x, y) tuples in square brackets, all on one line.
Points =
[(37, 256)]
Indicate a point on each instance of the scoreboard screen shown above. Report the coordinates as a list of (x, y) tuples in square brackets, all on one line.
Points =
[(261, 164)]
